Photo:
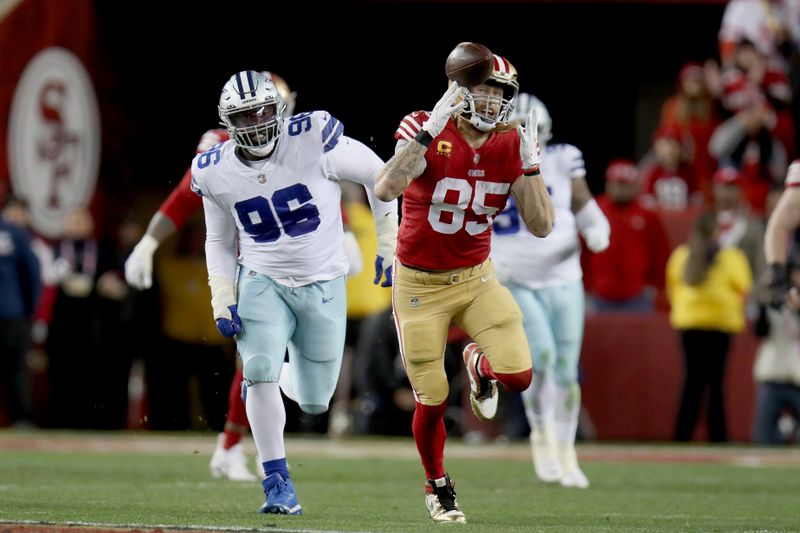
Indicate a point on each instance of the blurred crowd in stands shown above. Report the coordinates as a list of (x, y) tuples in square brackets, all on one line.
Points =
[(102, 355)]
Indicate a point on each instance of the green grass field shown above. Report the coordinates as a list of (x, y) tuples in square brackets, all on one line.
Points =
[(376, 485)]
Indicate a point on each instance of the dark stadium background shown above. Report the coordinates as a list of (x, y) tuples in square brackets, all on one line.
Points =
[(602, 68)]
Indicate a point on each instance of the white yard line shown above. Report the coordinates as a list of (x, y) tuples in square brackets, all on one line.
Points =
[(189, 528)]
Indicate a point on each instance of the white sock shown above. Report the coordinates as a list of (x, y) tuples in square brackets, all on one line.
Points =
[(539, 400), (267, 418), (567, 410), (285, 382)]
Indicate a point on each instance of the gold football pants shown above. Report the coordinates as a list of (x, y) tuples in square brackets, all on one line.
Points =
[(425, 303)]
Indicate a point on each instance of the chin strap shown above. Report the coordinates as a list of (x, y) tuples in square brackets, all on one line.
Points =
[(263, 151)]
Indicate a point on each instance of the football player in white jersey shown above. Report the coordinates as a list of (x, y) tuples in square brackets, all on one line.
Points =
[(271, 192), (544, 275)]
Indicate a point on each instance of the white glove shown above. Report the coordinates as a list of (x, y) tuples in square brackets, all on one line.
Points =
[(594, 226), (139, 266), (597, 239), (444, 108), (529, 150)]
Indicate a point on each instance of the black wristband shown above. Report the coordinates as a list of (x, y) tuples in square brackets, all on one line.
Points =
[(424, 138), (778, 284), (531, 171), (779, 273)]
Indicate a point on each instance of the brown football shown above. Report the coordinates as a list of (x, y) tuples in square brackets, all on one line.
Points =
[(469, 64)]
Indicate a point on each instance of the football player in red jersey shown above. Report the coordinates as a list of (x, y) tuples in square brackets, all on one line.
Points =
[(782, 238), (228, 459), (455, 167)]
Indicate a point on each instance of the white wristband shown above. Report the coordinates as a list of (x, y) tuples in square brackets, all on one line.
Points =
[(147, 244), (594, 226), (222, 296), (386, 230)]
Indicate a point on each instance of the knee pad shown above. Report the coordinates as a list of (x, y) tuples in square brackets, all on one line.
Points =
[(423, 341), (429, 381), (516, 382), (313, 408), (259, 369)]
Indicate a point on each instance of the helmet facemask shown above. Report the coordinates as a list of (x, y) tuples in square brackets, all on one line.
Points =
[(492, 103), (252, 110)]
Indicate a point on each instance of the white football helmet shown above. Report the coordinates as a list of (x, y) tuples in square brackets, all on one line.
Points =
[(526, 101), (477, 108), (289, 96), (252, 110)]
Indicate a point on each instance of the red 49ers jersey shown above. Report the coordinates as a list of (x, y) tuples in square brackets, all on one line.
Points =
[(182, 202), (448, 210)]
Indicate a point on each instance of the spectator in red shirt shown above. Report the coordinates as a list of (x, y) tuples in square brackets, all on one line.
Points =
[(745, 142), (669, 183), (694, 110), (626, 275), (752, 76)]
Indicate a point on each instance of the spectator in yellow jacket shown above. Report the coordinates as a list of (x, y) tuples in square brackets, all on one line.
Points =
[(707, 287)]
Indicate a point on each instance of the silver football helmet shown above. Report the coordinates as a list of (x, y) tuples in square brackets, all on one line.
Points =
[(526, 101), (252, 110), (484, 111)]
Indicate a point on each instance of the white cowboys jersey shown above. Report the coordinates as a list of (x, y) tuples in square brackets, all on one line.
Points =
[(536, 262), (286, 208)]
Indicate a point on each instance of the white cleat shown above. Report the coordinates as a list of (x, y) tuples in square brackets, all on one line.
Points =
[(573, 475), (483, 391), (440, 499), (546, 463), (575, 479), (231, 463)]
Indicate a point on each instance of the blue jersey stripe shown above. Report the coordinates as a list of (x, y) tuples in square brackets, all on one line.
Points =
[(334, 140), (326, 131)]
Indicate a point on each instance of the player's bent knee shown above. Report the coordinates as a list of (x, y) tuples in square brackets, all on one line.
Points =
[(313, 408), (259, 369), (429, 381), (434, 395), (517, 382)]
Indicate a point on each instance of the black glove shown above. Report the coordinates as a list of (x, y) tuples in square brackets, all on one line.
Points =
[(778, 284)]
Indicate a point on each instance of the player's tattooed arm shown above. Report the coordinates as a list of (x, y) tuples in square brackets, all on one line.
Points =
[(399, 171), (533, 203)]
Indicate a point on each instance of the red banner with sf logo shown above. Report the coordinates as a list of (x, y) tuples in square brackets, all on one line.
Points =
[(50, 149)]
